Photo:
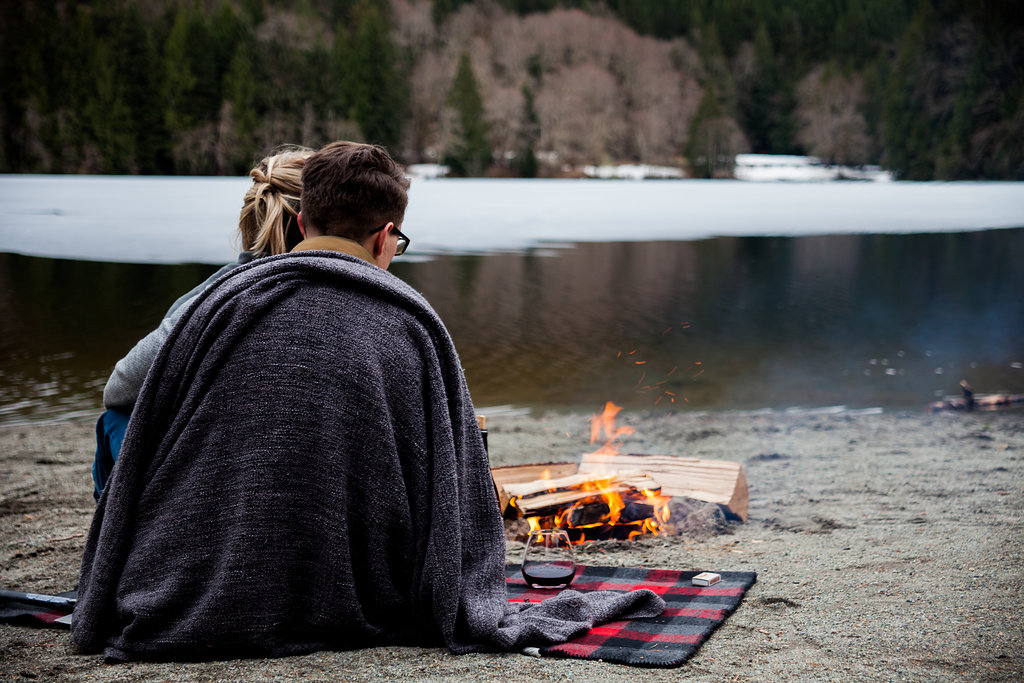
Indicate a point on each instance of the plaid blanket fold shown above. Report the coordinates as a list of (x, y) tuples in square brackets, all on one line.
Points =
[(692, 614), (28, 614)]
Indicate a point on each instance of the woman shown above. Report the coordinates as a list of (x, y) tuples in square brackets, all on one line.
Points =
[(267, 225)]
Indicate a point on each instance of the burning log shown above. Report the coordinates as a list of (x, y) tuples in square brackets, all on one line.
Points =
[(548, 496), (635, 511), (715, 481), (592, 513), (604, 532)]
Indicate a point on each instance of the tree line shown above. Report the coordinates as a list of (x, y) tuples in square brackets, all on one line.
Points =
[(930, 90)]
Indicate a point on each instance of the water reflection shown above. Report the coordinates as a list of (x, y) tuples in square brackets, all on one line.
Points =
[(63, 325), (862, 320), (726, 323)]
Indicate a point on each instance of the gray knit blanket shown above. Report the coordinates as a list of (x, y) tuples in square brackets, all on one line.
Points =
[(303, 471)]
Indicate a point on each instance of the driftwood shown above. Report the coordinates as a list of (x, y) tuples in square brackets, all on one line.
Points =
[(970, 401), (715, 481)]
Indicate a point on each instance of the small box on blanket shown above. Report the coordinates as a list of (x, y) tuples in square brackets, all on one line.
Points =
[(706, 579)]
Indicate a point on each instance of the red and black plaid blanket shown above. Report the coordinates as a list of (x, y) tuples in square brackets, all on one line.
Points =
[(691, 614)]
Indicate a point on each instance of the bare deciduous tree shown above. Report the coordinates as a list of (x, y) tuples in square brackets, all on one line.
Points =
[(582, 116), (832, 125), (602, 92)]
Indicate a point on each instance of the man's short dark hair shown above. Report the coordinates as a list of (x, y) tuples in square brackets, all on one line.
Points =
[(349, 188)]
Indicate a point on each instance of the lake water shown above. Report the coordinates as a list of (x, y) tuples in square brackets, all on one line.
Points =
[(691, 295)]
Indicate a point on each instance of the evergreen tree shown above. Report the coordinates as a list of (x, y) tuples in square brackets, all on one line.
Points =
[(908, 129), (953, 158), (340, 11), (31, 55), (109, 122), (253, 11), (760, 99), (338, 69), (138, 67), (852, 44), (529, 133), (710, 147), (241, 89), (178, 79), (716, 68), (374, 90), (317, 90), (107, 77), (470, 155)]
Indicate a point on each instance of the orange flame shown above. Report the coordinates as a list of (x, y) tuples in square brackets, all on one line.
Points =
[(605, 422)]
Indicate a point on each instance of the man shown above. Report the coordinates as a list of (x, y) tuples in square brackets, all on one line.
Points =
[(303, 469), (353, 201)]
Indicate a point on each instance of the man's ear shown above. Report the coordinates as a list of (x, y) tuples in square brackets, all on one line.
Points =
[(302, 228), (380, 239)]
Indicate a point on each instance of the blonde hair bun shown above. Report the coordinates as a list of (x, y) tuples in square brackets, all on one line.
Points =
[(266, 224)]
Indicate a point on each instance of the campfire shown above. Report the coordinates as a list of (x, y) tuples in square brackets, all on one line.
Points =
[(595, 505), (612, 496)]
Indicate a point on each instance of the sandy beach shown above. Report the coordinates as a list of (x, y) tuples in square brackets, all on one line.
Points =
[(887, 546)]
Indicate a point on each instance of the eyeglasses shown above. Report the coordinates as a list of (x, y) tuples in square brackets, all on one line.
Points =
[(403, 241)]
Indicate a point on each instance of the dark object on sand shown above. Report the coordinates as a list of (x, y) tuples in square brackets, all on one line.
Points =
[(36, 610), (970, 401), (52, 601)]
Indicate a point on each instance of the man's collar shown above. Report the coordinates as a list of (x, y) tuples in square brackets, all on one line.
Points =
[(333, 243)]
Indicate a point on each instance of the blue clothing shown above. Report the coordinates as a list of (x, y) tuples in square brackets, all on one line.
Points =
[(110, 429)]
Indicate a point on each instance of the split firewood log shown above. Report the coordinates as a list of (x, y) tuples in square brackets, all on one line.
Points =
[(715, 481), (515, 474)]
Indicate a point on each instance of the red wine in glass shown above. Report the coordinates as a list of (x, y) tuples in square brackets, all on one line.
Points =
[(548, 575), (548, 561)]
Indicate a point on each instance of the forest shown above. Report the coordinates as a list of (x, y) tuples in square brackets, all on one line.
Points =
[(928, 90)]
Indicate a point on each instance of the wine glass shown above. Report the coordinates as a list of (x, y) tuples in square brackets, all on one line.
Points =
[(548, 561)]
